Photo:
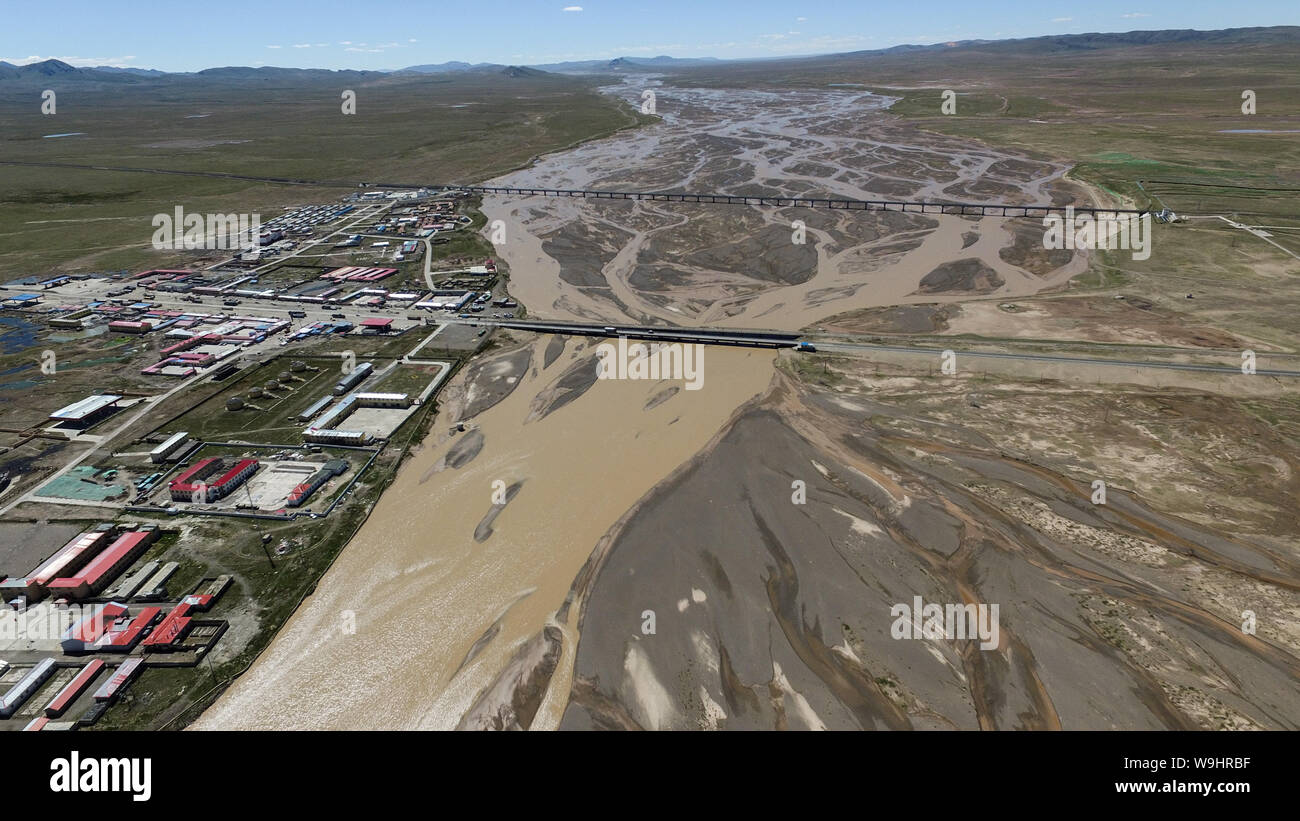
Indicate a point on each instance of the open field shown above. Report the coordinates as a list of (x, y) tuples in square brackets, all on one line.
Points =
[(405, 129), (1145, 110)]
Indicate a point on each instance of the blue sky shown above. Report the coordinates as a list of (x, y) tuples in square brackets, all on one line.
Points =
[(180, 36)]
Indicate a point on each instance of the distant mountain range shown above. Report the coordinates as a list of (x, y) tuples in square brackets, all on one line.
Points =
[(1047, 45), (574, 67), (47, 69)]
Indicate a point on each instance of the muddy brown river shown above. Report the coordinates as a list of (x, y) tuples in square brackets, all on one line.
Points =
[(573, 505), (740, 266)]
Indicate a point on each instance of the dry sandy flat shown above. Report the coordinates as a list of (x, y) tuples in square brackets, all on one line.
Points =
[(777, 614), (424, 591)]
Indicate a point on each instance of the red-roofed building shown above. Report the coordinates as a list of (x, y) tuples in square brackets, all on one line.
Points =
[(190, 486), (71, 557), (123, 635), (79, 637), (167, 635), (73, 689), (105, 567)]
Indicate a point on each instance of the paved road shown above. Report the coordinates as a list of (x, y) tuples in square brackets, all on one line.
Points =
[(851, 347)]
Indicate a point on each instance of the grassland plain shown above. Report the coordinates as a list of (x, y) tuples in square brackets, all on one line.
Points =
[(1150, 119), (1122, 111), (406, 129)]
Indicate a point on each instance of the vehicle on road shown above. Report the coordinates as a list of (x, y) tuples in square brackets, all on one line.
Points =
[(805, 347)]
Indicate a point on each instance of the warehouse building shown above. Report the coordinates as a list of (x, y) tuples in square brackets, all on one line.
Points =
[(118, 682), (26, 687), (316, 407), (337, 413), (156, 586), (14, 590), (351, 380), (86, 412), (73, 689), (107, 566), (382, 400), (73, 556), (300, 494), (72, 319), (337, 437), (172, 444), (131, 582)]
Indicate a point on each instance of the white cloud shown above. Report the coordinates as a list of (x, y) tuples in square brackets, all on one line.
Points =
[(1135, 14), (1062, 19), (572, 8), (273, 47), (302, 45), (413, 40), (801, 19)]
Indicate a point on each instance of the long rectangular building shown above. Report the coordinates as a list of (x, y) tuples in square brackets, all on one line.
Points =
[(382, 400), (315, 408), (126, 588), (125, 673), (105, 567), (303, 492), (71, 557), (168, 447), (73, 689), (351, 380), (87, 409), (155, 587), (336, 437), (26, 687)]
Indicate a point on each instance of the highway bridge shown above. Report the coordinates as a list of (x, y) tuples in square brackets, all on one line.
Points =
[(777, 339), (656, 333), (973, 209)]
